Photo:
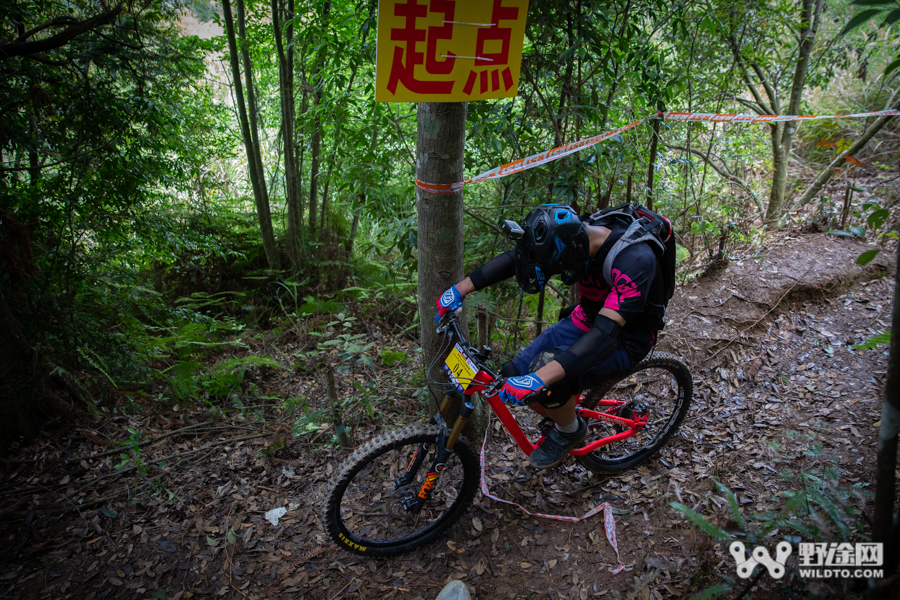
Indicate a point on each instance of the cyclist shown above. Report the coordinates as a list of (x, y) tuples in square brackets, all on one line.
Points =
[(609, 331)]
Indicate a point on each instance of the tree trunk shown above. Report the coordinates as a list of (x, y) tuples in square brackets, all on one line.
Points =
[(440, 149), (251, 141), (314, 167), (654, 145), (539, 322), (783, 133), (328, 173), (354, 227), (23, 388), (293, 195), (780, 154), (316, 82), (885, 528)]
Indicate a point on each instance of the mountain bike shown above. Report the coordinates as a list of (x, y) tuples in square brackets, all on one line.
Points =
[(407, 487)]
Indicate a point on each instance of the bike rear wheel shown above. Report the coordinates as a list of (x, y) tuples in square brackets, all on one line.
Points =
[(364, 509), (661, 383)]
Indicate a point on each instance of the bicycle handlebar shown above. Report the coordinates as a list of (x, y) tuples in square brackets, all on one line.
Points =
[(449, 325)]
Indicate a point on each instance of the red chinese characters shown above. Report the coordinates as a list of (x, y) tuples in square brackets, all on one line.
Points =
[(497, 59), (405, 60)]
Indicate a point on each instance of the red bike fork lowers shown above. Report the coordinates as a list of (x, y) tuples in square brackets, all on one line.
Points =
[(444, 450)]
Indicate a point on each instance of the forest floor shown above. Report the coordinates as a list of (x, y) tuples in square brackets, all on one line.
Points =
[(779, 391)]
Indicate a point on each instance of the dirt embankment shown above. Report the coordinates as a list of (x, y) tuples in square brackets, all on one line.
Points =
[(725, 306)]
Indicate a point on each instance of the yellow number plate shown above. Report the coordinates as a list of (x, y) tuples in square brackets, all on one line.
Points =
[(460, 369)]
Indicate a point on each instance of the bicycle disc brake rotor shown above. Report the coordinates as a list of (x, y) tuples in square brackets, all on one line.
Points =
[(650, 392), (373, 509)]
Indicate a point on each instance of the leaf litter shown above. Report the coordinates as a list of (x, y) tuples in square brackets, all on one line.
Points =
[(190, 520)]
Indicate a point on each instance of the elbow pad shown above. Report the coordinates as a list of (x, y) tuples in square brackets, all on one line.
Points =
[(592, 348)]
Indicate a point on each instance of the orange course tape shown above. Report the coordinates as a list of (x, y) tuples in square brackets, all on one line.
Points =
[(535, 160)]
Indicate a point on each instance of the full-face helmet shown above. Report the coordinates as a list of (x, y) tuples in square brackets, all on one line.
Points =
[(554, 242)]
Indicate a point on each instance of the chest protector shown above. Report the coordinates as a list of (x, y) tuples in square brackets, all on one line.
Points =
[(642, 226)]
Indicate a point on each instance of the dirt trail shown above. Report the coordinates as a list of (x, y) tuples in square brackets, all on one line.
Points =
[(787, 383)]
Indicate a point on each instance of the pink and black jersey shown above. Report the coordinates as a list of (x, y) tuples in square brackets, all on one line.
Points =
[(631, 294), (635, 293)]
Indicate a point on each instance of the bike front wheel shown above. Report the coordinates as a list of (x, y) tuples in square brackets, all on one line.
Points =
[(366, 510), (662, 385)]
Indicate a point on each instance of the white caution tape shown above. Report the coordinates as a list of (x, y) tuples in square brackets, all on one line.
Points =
[(535, 160)]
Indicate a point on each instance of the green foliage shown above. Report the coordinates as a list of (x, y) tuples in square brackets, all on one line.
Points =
[(390, 357), (309, 423), (701, 522), (873, 341), (349, 346), (716, 591), (819, 509), (132, 454), (887, 10), (227, 376)]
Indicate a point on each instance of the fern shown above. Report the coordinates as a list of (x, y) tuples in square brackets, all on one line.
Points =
[(95, 361), (733, 503), (701, 522), (224, 377), (878, 338), (716, 591)]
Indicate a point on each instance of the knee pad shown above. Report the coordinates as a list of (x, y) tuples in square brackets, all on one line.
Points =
[(557, 394), (544, 358)]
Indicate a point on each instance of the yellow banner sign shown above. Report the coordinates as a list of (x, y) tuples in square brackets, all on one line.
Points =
[(449, 50)]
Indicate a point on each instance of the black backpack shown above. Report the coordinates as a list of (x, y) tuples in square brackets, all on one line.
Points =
[(643, 225)]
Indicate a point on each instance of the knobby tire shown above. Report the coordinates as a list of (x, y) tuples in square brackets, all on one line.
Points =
[(363, 511), (665, 385)]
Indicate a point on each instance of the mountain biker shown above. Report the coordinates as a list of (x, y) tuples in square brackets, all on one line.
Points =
[(609, 331)]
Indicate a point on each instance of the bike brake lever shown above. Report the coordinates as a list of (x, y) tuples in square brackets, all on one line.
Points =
[(494, 388)]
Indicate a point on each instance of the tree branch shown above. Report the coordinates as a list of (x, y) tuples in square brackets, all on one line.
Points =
[(547, 107), (825, 175), (51, 23), (770, 91), (721, 171), (21, 48), (746, 76), (751, 105)]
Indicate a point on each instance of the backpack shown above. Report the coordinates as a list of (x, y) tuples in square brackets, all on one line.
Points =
[(644, 225)]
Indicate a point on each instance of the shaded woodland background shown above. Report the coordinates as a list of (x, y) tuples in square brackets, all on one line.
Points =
[(181, 215)]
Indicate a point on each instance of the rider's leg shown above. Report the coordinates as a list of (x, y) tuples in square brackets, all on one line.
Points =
[(568, 433), (564, 415)]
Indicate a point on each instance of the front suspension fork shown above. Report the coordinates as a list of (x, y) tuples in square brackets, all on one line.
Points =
[(445, 445)]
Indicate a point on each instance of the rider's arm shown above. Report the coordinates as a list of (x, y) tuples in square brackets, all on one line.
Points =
[(632, 273), (497, 269), (595, 346)]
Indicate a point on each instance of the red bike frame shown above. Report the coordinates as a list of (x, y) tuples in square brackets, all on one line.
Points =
[(483, 381)]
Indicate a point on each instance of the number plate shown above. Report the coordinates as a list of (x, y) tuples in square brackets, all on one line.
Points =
[(461, 370)]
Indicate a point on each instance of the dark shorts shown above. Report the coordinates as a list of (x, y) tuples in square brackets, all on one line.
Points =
[(631, 348)]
